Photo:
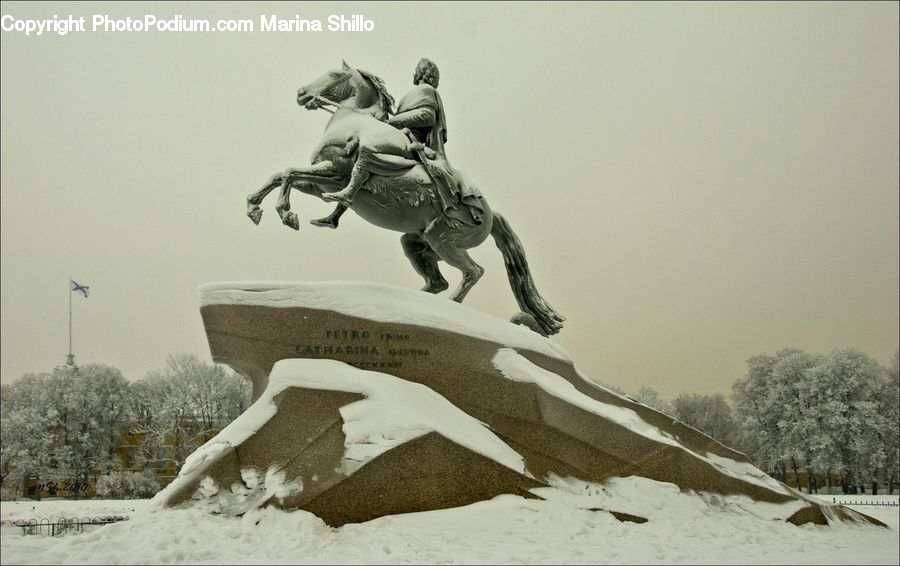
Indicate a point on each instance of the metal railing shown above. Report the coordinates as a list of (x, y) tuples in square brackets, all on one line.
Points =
[(61, 525), (864, 503)]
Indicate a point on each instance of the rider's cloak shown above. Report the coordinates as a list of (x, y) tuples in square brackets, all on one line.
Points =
[(452, 186)]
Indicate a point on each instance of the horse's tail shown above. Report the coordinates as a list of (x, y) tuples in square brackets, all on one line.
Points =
[(530, 301)]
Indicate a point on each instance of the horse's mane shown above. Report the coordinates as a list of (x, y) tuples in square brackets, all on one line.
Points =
[(385, 100)]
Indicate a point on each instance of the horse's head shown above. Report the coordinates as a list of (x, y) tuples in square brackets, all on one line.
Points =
[(337, 85), (360, 89)]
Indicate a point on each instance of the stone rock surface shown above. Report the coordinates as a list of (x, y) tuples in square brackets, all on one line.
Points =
[(528, 413)]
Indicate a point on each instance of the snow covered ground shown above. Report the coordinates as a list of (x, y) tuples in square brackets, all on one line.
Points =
[(683, 529), (569, 525)]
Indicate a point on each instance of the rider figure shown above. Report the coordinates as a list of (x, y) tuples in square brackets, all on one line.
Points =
[(420, 113), (421, 109)]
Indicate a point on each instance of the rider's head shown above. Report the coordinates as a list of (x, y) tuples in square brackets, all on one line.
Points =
[(427, 72)]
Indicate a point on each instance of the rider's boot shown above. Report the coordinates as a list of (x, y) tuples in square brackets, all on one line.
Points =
[(358, 177), (331, 221)]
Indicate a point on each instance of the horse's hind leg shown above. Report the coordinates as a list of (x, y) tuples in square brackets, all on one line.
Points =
[(255, 199), (323, 172), (459, 258), (424, 261)]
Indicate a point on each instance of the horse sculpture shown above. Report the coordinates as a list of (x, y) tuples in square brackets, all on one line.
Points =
[(372, 167)]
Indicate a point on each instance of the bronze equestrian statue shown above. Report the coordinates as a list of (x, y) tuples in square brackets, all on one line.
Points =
[(400, 179)]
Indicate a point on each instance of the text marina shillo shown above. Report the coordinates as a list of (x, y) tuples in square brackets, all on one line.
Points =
[(356, 22)]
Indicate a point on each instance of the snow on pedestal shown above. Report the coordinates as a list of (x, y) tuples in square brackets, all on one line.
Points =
[(374, 400)]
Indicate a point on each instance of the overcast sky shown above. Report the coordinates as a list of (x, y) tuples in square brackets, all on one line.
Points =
[(693, 183)]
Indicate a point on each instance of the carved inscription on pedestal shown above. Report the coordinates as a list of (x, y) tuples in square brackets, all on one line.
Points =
[(363, 348)]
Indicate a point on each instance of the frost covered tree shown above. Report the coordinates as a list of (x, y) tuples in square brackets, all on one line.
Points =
[(63, 423), (890, 408), (815, 413), (761, 405), (710, 414), (856, 383), (184, 404), (90, 404), (148, 426), (68, 423), (26, 432)]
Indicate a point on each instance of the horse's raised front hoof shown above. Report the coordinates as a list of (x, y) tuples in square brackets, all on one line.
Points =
[(255, 213), (324, 223), (290, 219)]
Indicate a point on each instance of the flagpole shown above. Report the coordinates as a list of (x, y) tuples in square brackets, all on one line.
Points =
[(70, 360)]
